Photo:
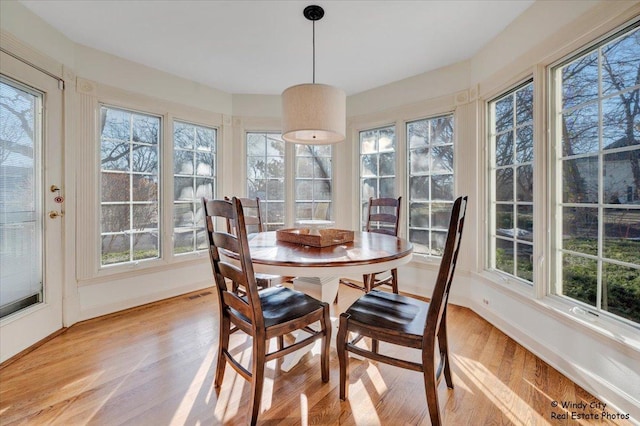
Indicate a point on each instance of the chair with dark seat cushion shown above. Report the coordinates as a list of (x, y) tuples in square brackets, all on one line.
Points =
[(253, 222), (383, 217), (407, 322), (262, 314)]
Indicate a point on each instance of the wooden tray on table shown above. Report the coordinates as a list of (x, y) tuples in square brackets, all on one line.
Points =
[(315, 237)]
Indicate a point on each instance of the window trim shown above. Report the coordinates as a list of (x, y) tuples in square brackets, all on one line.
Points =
[(91, 95)]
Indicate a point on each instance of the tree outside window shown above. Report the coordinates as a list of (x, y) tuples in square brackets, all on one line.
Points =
[(598, 158)]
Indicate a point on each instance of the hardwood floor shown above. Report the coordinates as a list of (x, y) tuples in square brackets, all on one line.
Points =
[(154, 365)]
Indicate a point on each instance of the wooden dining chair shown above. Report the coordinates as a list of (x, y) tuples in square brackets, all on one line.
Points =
[(253, 223), (383, 217), (407, 322), (262, 314)]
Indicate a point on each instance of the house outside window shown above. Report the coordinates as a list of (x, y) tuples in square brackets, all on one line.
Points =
[(597, 168), (511, 183), (194, 177), (129, 202), (377, 166), (430, 182)]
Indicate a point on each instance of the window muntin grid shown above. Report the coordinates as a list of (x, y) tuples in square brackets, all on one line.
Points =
[(377, 166), (511, 147), (430, 155), (194, 177), (266, 176), (129, 196), (313, 182), (597, 160)]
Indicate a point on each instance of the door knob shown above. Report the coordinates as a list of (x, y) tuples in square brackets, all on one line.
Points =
[(53, 214)]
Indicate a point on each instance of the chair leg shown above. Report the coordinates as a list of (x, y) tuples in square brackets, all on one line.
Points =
[(326, 344), (257, 376), (394, 280), (444, 350), (343, 356), (223, 346), (431, 386)]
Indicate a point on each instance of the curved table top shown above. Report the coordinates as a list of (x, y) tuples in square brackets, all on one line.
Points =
[(368, 252)]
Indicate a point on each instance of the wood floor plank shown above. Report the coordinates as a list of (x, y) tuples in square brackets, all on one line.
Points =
[(155, 364)]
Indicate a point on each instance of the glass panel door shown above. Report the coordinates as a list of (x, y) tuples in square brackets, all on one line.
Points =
[(20, 197)]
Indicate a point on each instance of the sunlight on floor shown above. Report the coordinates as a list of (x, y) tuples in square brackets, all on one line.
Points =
[(495, 391), (366, 413), (304, 410), (190, 397), (115, 389)]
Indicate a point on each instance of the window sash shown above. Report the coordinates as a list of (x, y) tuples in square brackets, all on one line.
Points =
[(594, 276), (130, 219)]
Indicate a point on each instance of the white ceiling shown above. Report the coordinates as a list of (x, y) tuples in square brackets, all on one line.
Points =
[(262, 47)]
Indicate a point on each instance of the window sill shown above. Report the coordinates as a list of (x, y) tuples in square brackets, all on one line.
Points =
[(605, 329)]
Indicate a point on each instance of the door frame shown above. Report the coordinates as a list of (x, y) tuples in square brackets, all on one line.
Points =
[(67, 312)]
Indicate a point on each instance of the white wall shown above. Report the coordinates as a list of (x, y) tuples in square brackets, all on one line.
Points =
[(599, 362)]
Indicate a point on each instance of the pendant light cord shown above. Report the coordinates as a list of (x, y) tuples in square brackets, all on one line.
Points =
[(314, 51)]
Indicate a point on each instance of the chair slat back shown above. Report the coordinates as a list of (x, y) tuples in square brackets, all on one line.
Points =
[(252, 216), (383, 215), (224, 246), (440, 296)]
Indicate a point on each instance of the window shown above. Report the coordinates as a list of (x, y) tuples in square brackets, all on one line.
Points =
[(597, 161), (313, 182), (511, 164), (431, 190), (194, 177), (265, 176), (377, 166), (129, 153)]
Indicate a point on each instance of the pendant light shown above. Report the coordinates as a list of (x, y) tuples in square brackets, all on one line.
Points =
[(313, 113)]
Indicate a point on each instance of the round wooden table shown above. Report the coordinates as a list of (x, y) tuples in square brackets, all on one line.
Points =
[(369, 252), (318, 270)]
